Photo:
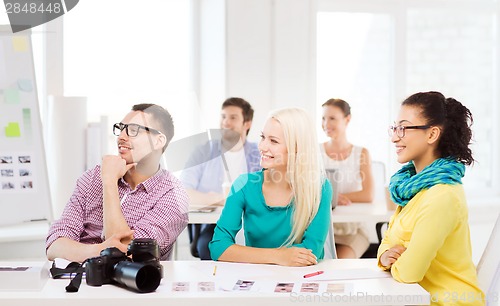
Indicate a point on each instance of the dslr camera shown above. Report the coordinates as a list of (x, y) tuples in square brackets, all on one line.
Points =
[(141, 271)]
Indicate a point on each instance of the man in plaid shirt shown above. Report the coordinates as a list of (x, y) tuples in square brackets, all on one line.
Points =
[(128, 196)]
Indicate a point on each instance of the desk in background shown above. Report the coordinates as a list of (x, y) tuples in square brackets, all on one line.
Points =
[(357, 212), (361, 212), (379, 291)]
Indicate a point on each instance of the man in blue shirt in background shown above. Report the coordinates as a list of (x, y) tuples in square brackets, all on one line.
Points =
[(219, 162)]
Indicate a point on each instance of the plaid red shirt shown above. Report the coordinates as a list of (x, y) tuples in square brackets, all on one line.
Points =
[(157, 208)]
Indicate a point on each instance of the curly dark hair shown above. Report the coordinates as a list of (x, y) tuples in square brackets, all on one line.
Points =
[(452, 117)]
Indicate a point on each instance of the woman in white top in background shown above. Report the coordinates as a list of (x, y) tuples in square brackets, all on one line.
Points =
[(354, 175)]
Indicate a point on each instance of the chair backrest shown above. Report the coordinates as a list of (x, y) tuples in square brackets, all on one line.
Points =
[(240, 237), (329, 248), (488, 268), (333, 177), (378, 173)]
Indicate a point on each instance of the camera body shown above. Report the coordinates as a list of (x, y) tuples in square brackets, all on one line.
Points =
[(142, 271), (100, 270)]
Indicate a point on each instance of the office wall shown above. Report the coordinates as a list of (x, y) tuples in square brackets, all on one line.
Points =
[(265, 51), (268, 51), (270, 60)]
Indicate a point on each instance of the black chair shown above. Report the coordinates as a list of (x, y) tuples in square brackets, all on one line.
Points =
[(200, 235), (372, 250), (194, 233)]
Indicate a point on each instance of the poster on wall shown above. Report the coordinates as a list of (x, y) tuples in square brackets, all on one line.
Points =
[(24, 187), (16, 172)]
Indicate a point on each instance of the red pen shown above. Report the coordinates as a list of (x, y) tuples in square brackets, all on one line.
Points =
[(314, 274)]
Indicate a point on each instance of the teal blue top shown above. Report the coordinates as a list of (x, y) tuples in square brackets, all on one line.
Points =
[(266, 226)]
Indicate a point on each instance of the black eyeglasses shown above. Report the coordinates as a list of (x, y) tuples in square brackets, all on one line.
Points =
[(400, 129), (132, 129)]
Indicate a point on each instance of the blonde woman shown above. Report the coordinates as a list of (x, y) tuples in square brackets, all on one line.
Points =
[(286, 206), (355, 182)]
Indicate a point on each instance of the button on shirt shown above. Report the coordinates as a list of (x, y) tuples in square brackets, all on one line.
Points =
[(156, 208)]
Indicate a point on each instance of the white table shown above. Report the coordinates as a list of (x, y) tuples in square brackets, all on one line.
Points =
[(361, 212), (356, 212), (377, 291), (205, 217)]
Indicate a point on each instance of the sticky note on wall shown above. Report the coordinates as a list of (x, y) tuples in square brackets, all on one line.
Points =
[(12, 130), (25, 85), (28, 130), (20, 43), (11, 95)]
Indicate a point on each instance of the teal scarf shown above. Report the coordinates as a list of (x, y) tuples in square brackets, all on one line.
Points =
[(406, 183)]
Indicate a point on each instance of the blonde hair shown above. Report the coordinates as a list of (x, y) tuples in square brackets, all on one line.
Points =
[(305, 170)]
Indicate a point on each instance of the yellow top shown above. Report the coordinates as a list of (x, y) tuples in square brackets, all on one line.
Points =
[(434, 228)]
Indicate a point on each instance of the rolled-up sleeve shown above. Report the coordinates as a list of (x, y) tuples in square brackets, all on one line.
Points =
[(71, 223)]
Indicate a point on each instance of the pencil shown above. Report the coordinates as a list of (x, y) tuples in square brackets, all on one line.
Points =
[(313, 274), (215, 270)]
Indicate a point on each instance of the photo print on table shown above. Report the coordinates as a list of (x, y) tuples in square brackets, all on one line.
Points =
[(284, 287), (243, 285), (206, 286), (309, 287), (180, 286), (335, 288)]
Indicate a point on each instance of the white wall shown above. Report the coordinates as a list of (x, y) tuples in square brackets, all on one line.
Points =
[(249, 56), (268, 50), (269, 60), (210, 59)]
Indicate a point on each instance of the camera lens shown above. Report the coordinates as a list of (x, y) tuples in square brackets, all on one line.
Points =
[(140, 277), (144, 249), (147, 251)]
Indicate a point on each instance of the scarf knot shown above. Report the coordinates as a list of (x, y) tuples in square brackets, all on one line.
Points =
[(406, 183)]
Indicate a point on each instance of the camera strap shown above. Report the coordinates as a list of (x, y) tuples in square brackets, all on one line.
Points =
[(73, 268)]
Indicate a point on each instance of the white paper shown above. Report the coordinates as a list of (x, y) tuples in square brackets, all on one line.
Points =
[(31, 276), (347, 274), (61, 262)]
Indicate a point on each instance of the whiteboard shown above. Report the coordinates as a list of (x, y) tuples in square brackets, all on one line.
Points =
[(24, 187)]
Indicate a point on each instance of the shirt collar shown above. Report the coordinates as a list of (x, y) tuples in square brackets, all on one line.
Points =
[(149, 184)]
